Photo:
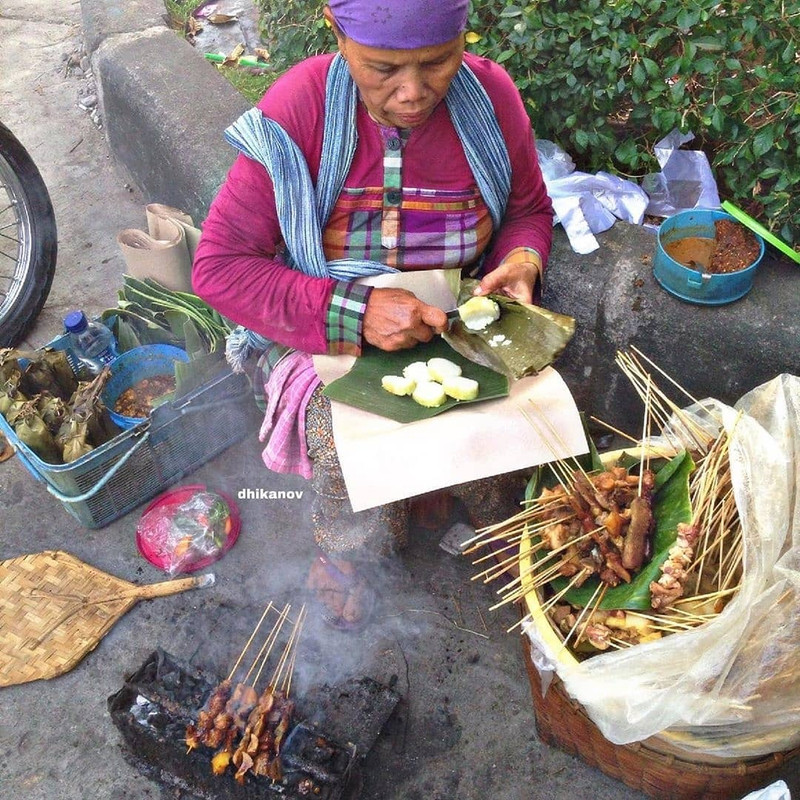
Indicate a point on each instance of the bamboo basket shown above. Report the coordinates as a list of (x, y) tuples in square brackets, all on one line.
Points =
[(656, 766), (652, 766)]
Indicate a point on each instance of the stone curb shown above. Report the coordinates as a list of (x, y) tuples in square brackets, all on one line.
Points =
[(164, 108)]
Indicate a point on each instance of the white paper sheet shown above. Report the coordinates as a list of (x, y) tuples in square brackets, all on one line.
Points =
[(383, 460)]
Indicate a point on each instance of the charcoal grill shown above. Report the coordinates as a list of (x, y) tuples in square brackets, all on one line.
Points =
[(320, 756)]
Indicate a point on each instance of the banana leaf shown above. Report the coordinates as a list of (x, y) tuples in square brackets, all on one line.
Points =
[(154, 295), (361, 386), (523, 341), (159, 315), (9, 363), (73, 437), (10, 392), (135, 326), (53, 410), (32, 431), (671, 505), (201, 364)]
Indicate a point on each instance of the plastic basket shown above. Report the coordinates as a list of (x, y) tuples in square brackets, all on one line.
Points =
[(134, 466)]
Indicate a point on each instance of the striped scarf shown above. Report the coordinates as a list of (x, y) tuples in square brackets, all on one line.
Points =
[(296, 200)]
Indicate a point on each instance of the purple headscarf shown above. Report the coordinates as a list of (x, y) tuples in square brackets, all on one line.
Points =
[(400, 24)]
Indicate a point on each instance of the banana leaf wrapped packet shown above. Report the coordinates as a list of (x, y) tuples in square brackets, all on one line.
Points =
[(53, 410), (49, 371), (522, 341), (87, 407), (73, 439), (10, 395), (9, 363), (32, 431)]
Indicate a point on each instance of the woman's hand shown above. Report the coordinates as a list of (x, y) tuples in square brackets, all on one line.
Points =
[(395, 319), (516, 280)]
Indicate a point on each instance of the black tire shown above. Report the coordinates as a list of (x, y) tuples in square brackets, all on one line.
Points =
[(27, 220)]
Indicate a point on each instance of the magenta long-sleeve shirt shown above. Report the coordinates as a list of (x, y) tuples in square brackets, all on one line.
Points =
[(237, 267)]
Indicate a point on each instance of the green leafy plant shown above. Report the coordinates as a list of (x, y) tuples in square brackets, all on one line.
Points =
[(607, 80), (293, 30)]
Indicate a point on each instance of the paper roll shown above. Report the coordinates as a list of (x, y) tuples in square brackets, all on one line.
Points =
[(162, 218), (164, 260), (166, 252)]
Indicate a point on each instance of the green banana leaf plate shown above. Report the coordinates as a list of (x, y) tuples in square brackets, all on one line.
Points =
[(361, 386)]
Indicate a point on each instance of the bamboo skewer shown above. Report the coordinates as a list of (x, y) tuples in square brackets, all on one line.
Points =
[(266, 648), (601, 587), (301, 621), (249, 641), (284, 660)]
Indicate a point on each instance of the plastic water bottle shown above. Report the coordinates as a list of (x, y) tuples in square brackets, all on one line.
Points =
[(92, 342)]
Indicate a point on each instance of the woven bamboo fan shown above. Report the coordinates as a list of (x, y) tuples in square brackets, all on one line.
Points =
[(54, 609)]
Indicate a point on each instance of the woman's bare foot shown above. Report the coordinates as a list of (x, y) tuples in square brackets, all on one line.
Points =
[(344, 595)]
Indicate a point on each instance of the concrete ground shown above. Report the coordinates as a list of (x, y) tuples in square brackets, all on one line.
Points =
[(465, 726)]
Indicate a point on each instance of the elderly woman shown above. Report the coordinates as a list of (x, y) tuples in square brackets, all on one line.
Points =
[(401, 152)]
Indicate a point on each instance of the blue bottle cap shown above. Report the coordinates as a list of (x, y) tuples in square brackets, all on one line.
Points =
[(75, 321)]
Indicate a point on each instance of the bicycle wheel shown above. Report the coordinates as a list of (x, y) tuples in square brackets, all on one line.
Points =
[(28, 240)]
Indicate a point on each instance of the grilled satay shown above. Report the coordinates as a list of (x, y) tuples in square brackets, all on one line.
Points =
[(222, 758), (267, 762), (237, 710), (669, 587), (248, 746), (618, 520), (198, 734)]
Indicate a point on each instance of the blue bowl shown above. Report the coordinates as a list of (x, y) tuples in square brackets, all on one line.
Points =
[(133, 366), (691, 284)]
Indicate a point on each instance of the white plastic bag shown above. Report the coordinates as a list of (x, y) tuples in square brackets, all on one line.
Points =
[(731, 687), (685, 181), (775, 791), (587, 204)]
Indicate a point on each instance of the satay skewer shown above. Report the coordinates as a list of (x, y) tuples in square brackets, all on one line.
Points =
[(537, 564), (664, 407), (596, 606), (556, 597), (677, 385), (249, 641), (600, 588), (497, 569), (288, 681), (509, 546), (521, 621), (553, 432), (645, 457), (276, 675), (266, 648), (631, 439)]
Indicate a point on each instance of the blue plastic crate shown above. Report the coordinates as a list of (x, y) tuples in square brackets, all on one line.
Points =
[(137, 464)]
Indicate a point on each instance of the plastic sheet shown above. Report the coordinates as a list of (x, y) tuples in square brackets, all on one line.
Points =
[(775, 791), (587, 204), (729, 688), (194, 531), (685, 180)]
